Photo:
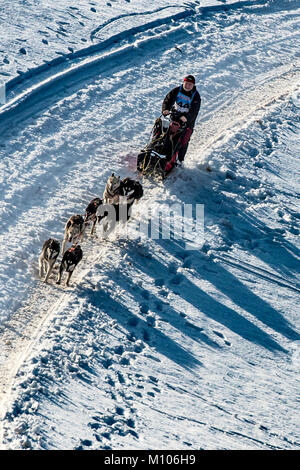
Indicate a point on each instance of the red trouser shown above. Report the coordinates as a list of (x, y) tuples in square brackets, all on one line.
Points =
[(187, 136), (184, 144), (182, 151)]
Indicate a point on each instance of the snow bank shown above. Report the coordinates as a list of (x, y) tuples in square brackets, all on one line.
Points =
[(33, 41)]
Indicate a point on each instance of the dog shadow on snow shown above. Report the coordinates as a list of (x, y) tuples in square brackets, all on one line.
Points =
[(270, 246), (138, 327), (244, 230), (237, 225), (212, 308)]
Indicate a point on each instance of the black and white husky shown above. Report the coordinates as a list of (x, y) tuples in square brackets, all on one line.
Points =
[(118, 199), (48, 257), (69, 262), (74, 230)]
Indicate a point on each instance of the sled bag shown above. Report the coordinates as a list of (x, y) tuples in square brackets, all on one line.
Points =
[(148, 162)]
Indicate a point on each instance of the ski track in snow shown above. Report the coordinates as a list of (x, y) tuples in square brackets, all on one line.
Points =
[(127, 312)]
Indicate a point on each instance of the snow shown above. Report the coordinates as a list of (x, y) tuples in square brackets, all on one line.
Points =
[(154, 346)]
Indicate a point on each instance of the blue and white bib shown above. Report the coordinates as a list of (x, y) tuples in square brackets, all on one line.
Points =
[(183, 102)]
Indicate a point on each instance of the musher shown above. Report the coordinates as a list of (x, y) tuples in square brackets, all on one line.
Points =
[(185, 101)]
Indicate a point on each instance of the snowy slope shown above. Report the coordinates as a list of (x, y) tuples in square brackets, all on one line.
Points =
[(156, 346)]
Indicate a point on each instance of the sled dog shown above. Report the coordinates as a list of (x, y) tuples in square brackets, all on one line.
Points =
[(48, 256), (91, 213), (124, 192), (69, 262), (111, 192), (74, 230)]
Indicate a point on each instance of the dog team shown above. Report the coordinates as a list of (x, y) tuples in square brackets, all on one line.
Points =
[(107, 210)]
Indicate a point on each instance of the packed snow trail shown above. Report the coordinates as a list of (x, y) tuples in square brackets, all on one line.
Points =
[(61, 158), (39, 184)]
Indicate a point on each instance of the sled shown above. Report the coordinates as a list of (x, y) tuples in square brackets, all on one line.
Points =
[(151, 163)]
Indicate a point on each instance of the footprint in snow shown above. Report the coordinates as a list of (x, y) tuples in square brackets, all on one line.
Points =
[(164, 292), (110, 381), (153, 379), (125, 361), (107, 363), (259, 164), (109, 420), (85, 443), (218, 333), (94, 426), (119, 350), (268, 143), (139, 346), (130, 422), (119, 410), (121, 378), (195, 327)]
